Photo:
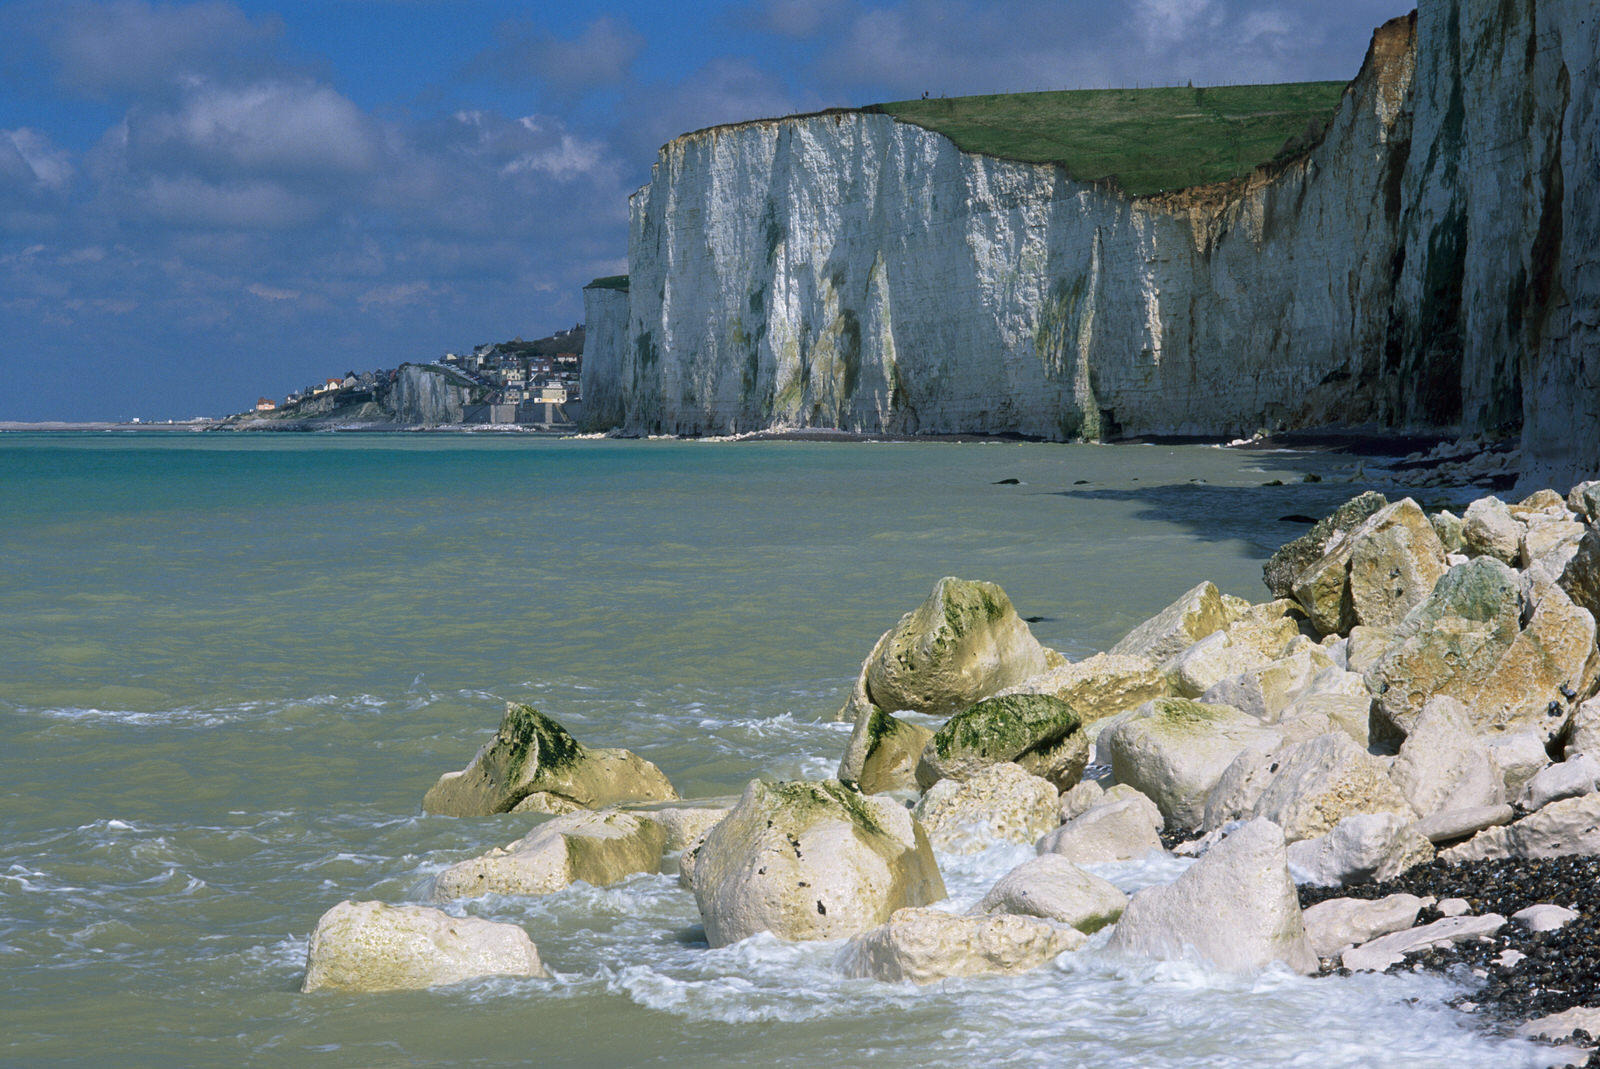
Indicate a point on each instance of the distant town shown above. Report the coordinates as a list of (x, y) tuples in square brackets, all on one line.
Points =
[(516, 382)]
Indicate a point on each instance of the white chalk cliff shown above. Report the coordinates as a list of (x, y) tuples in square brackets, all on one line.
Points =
[(1430, 264)]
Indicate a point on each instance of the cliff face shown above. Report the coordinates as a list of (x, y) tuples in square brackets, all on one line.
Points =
[(1428, 265), (427, 395), (605, 317)]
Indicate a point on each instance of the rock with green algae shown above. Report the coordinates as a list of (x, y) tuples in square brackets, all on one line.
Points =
[(882, 752), (1175, 750), (964, 643), (811, 859), (534, 765), (1290, 560), (1373, 574), (596, 848), (369, 946), (1041, 733)]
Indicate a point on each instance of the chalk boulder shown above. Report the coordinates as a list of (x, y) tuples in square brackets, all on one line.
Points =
[(1236, 907), (811, 860), (1570, 826), (1338, 924), (1374, 573), (369, 946), (882, 753), (1175, 750), (1281, 570), (1000, 803), (1361, 847), (1117, 829), (1196, 614), (1037, 731), (1099, 686), (1052, 887), (963, 644), (534, 765), (1322, 781), (924, 945), (597, 848)]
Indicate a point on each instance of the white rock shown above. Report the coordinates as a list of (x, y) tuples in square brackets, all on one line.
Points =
[(1052, 887), (1442, 767), (1079, 800), (1361, 847), (597, 848), (1000, 803), (1454, 907), (1545, 917), (1488, 528), (1175, 750), (924, 945), (811, 860), (964, 643), (1570, 826), (1099, 686), (1112, 831), (1449, 824), (1337, 924), (368, 946), (1323, 781), (1520, 755), (1559, 1026), (1196, 614), (1239, 788), (1577, 775), (1388, 950), (1584, 734), (1236, 907), (686, 824)]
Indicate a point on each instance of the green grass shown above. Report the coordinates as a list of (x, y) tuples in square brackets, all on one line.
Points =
[(1146, 140), (610, 282)]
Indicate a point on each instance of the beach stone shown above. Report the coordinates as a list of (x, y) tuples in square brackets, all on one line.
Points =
[(1209, 661), (811, 860), (1561, 1026), (1577, 775), (1583, 732), (1000, 803), (1099, 686), (1338, 924), (1454, 907), (534, 764), (1489, 529), (1282, 568), (1570, 826), (961, 645), (1115, 830), (1441, 766), (1236, 907), (882, 753), (1325, 780), (925, 945), (1387, 950), (1451, 824), (597, 848), (1520, 755), (686, 825), (369, 946), (1349, 713), (1365, 646), (1584, 499), (1266, 691), (1079, 799), (1546, 538), (1198, 613), (1450, 529), (1239, 788), (1580, 571), (1545, 917), (1014, 728), (1543, 500), (1373, 574), (1052, 887), (1466, 642), (1175, 750), (1361, 847), (1061, 764)]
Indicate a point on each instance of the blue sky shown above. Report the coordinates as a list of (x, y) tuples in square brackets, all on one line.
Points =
[(204, 202)]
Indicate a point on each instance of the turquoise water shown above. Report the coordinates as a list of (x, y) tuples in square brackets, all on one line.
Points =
[(231, 666)]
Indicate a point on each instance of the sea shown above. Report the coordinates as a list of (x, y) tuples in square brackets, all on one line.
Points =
[(231, 665)]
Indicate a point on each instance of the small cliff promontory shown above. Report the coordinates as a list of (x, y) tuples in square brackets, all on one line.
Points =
[(1428, 264)]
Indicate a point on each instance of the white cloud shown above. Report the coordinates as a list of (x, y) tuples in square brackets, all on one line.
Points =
[(187, 200), (399, 293), (601, 55), (271, 293)]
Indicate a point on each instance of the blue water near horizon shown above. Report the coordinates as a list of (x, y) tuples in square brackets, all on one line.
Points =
[(230, 666)]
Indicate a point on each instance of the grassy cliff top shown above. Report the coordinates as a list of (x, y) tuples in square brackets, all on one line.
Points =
[(609, 282), (1146, 140)]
